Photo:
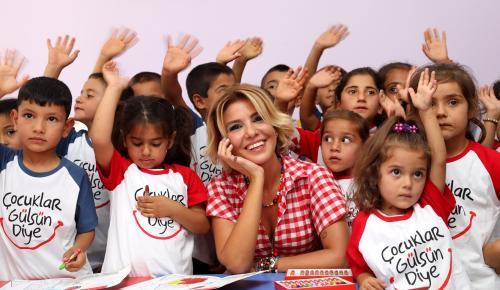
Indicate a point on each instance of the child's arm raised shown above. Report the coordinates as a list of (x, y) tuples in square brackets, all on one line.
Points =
[(177, 59), (102, 127), (60, 56), (435, 47), (321, 79), (251, 49), (422, 100), (9, 68), (119, 42), (230, 51), (327, 39), (82, 242), (289, 88), (492, 105)]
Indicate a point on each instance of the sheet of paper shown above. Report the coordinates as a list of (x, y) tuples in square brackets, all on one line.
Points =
[(99, 280), (198, 282)]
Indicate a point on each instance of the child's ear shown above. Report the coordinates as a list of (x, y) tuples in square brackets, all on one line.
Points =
[(70, 122), (199, 102), (14, 115), (171, 140)]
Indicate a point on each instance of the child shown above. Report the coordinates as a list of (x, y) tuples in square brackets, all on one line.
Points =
[(472, 172), (490, 98), (392, 75), (146, 84), (8, 136), (155, 203), (324, 96), (399, 238), (47, 210), (77, 146), (320, 89), (272, 78), (342, 135)]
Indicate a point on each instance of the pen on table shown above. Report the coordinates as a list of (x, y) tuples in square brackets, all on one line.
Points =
[(72, 257)]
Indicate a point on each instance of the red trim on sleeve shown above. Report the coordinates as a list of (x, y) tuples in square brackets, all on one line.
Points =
[(118, 166), (441, 202), (196, 191), (356, 261), (491, 161)]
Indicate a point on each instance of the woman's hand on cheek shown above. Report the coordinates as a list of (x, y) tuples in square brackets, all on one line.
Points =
[(238, 163)]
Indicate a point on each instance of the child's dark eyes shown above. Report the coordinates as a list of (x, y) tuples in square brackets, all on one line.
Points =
[(395, 172), (419, 174), (453, 102), (346, 140), (327, 139), (393, 90), (156, 144), (28, 116), (52, 119), (351, 91), (371, 92), (11, 132)]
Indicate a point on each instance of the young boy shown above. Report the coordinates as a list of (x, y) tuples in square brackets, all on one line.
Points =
[(8, 134), (146, 84), (47, 212)]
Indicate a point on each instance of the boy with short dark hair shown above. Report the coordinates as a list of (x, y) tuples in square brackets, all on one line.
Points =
[(47, 211)]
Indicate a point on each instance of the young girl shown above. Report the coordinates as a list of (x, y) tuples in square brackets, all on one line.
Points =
[(156, 204), (399, 238), (472, 172), (342, 136), (270, 212)]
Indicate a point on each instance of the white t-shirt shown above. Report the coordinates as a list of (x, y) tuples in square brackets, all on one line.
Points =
[(474, 178), (204, 249), (40, 216), (347, 186), (152, 246), (409, 251), (77, 147)]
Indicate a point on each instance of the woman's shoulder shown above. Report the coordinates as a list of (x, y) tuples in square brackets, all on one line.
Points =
[(300, 168)]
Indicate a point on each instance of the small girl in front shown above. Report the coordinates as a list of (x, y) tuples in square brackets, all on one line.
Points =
[(343, 133), (400, 238), (156, 200)]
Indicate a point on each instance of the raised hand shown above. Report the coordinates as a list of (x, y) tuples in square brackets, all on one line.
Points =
[(9, 68), (392, 107), (179, 56), (427, 85), (112, 75), (435, 47), (230, 51), (403, 92), (291, 85), (251, 49), (490, 102), (332, 36), (62, 54), (325, 77), (118, 42)]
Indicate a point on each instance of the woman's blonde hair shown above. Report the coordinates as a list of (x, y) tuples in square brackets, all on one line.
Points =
[(260, 99)]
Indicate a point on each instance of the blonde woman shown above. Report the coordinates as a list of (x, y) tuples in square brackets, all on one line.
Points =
[(269, 212)]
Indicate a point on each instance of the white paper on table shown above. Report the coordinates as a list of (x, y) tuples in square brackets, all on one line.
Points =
[(198, 282), (99, 280)]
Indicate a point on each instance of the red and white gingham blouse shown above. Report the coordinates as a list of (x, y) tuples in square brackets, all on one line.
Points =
[(311, 202)]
